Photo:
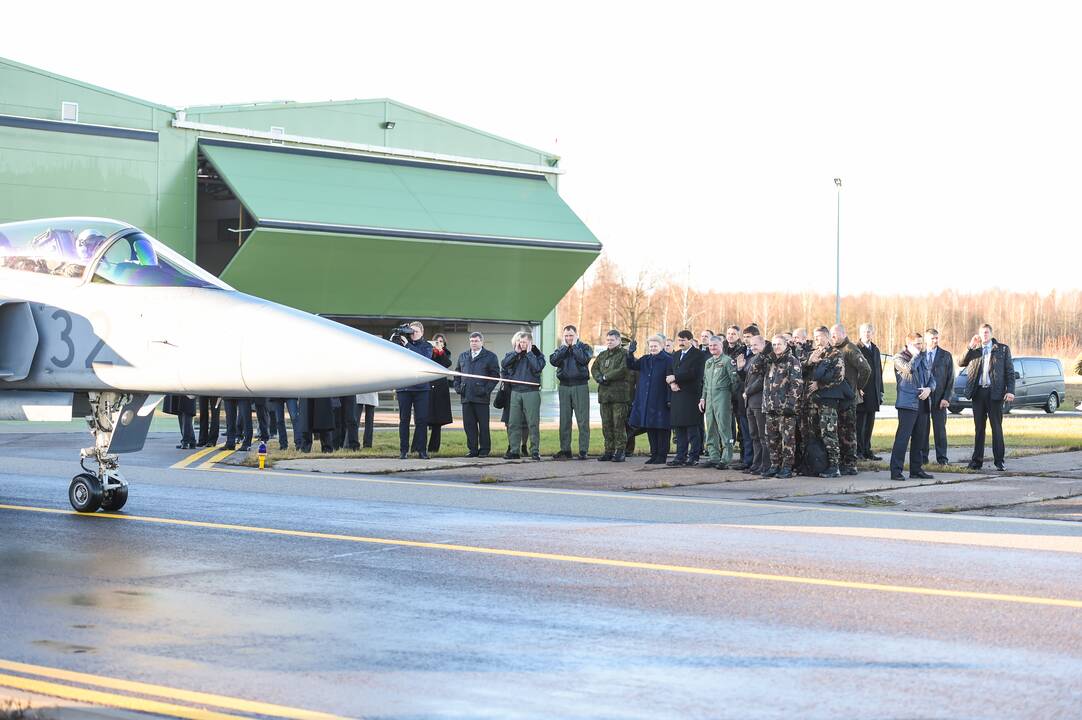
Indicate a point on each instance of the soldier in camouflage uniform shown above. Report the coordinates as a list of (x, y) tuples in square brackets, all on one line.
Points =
[(781, 398), (857, 372), (611, 373), (719, 379), (826, 391)]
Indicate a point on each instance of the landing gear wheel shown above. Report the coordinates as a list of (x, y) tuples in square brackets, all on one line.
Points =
[(85, 493), (115, 499)]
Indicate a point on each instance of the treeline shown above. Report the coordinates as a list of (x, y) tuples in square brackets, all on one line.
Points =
[(640, 306)]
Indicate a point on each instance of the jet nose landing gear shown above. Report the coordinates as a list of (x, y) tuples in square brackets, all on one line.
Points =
[(119, 423)]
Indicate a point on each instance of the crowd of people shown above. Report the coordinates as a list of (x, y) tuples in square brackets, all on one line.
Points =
[(334, 421), (791, 405)]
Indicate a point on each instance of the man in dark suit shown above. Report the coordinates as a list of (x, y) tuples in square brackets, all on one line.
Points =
[(685, 379), (477, 394), (990, 382), (941, 364), (870, 396)]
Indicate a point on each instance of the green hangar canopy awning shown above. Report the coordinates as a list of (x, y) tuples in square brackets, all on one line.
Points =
[(355, 235)]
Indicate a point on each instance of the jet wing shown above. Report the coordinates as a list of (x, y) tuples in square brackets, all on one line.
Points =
[(18, 339)]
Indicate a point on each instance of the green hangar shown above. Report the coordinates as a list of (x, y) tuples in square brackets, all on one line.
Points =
[(367, 211)]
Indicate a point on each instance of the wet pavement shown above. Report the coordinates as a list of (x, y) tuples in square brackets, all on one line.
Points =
[(412, 596)]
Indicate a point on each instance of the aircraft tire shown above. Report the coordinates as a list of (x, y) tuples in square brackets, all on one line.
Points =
[(115, 499), (85, 493)]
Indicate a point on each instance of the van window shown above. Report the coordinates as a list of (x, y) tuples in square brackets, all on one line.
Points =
[(1050, 368)]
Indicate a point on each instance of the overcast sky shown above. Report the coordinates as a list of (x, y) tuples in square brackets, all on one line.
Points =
[(702, 133)]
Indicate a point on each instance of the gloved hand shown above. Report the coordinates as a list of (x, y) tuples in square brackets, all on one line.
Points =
[(633, 346)]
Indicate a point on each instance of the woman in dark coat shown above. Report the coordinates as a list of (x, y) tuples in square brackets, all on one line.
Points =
[(439, 395), (650, 409), (184, 408)]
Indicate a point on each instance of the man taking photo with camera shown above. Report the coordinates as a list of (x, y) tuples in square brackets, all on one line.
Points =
[(413, 400)]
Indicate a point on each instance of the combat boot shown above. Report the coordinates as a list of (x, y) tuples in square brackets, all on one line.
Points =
[(619, 456), (849, 470), (831, 472), (784, 474), (605, 457), (770, 472)]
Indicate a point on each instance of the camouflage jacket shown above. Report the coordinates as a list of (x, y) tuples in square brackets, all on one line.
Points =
[(784, 383), (610, 366), (857, 369)]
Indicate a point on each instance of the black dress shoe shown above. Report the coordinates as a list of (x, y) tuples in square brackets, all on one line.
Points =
[(849, 470), (877, 458), (536, 456), (1001, 467), (723, 466), (471, 455), (511, 456), (921, 475), (897, 476), (944, 461), (562, 455), (422, 455), (618, 456), (770, 472), (676, 463), (974, 466), (784, 474), (401, 456), (605, 457), (581, 456), (229, 446), (482, 454)]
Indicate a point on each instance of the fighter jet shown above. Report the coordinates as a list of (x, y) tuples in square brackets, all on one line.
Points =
[(99, 319)]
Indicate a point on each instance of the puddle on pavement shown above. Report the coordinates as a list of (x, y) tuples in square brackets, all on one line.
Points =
[(66, 648)]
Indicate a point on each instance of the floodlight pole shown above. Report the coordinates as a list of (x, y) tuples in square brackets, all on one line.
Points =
[(838, 257)]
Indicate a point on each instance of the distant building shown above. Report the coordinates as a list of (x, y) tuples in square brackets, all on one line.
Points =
[(367, 211)]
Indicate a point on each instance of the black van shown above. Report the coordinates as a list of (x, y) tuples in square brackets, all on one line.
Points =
[(1038, 383)]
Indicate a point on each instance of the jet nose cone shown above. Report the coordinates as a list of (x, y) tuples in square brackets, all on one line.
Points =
[(289, 353)]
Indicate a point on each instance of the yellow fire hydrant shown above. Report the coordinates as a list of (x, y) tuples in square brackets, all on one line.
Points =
[(262, 452)]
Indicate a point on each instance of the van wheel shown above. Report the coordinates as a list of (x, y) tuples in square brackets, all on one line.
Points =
[(1052, 404)]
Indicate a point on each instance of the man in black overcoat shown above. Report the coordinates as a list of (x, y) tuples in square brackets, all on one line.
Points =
[(686, 382)]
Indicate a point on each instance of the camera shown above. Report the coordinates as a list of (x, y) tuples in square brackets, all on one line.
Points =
[(402, 334)]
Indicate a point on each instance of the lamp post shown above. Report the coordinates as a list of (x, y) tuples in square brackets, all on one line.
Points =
[(838, 258)]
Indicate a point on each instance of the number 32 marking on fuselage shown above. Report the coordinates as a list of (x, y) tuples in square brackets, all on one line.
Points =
[(65, 337)]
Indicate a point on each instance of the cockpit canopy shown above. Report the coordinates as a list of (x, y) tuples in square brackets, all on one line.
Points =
[(97, 250)]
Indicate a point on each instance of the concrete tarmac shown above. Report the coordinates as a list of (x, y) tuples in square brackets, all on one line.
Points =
[(407, 597)]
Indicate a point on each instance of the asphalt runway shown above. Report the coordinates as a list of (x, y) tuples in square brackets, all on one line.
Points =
[(291, 594)]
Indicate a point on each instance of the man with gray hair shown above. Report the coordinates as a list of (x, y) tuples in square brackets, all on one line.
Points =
[(869, 397), (475, 394), (611, 374)]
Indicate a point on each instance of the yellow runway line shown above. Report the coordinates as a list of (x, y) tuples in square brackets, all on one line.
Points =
[(112, 700), (577, 559), (216, 459), (193, 457), (188, 696)]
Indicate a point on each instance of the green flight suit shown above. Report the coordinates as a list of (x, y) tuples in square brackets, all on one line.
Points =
[(719, 378), (611, 373)]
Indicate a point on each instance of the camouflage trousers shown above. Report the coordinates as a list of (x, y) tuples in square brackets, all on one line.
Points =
[(614, 426), (781, 439), (828, 432), (847, 434)]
